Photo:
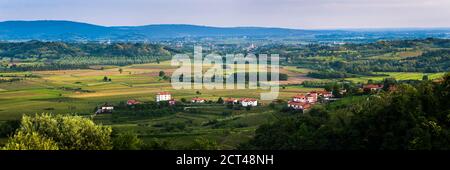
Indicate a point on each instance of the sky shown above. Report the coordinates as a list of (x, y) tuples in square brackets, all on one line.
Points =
[(306, 14)]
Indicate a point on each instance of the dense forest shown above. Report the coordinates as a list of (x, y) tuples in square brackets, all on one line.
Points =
[(37, 55), (407, 117)]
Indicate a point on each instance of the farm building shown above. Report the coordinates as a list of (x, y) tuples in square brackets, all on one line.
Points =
[(311, 97), (299, 98), (299, 105), (163, 96), (242, 101), (326, 95), (248, 102), (106, 108), (304, 102), (372, 87)]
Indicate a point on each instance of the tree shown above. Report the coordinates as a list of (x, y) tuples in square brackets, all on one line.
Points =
[(120, 70), (220, 100), (162, 73), (127, 141), (156, 144), (203, 143), (30, 141), (67, 132), (388, 82), (183, 100), (9, 127), (105, 78), (425, 77)]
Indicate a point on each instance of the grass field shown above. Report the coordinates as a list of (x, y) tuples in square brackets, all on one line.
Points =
[(397, 76)]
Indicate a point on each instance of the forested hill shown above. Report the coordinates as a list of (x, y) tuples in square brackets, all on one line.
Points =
[(37, 55), (75, 31)]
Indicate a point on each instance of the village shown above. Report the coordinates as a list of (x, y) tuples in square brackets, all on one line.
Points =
[(299, 102)]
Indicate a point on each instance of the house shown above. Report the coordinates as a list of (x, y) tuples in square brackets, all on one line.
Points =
[(299, 98), (311, 97), (163, 96), (326, 94), (198, 100), (248, 102), (372, 87), (133, 102), (106, 108), (299, 105)]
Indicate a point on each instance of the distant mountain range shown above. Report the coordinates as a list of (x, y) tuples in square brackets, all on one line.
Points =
[(76, 31)]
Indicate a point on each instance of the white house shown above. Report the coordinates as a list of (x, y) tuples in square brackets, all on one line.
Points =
[(248, 102), (108, 108), (105, 109), (326, 95), (311, 97), (372, 87), (163, 96), (299, 98), (299, 105)]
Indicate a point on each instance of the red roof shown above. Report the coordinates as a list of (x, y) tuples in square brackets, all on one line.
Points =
[(370, 86), (229, 99), (163, 93), (132, 102)]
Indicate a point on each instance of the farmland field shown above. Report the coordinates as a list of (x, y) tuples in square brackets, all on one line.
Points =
[(81, 91)]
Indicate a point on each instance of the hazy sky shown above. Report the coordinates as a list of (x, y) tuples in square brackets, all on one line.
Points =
[(269, 13)]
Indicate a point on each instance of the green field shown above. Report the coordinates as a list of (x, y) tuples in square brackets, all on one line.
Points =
[(81, 91), (397, 76)]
